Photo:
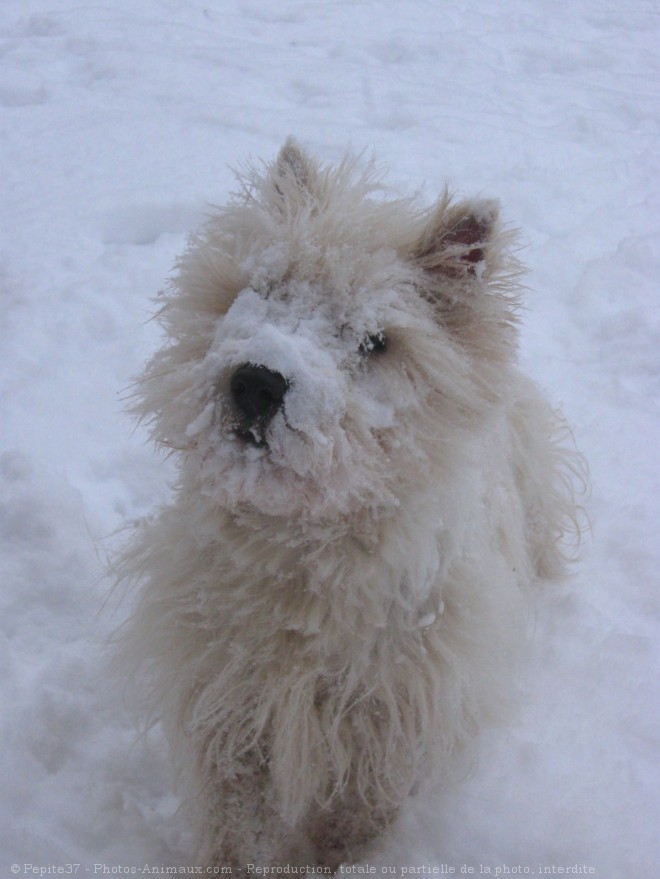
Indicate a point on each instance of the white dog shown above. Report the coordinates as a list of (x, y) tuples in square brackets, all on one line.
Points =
[(367, 486)]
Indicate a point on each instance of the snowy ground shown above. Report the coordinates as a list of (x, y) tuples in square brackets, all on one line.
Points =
[(118, 121)]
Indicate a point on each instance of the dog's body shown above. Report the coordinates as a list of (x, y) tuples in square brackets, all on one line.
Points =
[(367, 486)]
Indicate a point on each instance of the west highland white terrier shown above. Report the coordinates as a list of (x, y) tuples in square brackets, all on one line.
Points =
[(330, 605)]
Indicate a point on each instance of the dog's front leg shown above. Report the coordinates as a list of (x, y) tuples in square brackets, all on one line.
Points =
[(242, 827)]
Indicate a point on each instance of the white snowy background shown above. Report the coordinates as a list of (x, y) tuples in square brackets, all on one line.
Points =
[(118, 122)]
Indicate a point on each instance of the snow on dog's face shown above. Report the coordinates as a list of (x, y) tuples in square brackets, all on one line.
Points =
[(324, 343)]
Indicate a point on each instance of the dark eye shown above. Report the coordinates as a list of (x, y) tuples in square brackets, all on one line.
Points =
[(374, 343)]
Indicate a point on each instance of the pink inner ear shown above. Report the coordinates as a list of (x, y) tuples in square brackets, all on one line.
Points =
[(469, 230)]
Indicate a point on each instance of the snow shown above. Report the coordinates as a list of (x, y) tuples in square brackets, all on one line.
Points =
[(119, 121)]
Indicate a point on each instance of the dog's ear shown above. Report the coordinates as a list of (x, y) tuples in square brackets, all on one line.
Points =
[(458, 240), (470, 275), (293, 163), (293, 173)]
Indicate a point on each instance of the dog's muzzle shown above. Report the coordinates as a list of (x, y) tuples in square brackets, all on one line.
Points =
[(258, 394)]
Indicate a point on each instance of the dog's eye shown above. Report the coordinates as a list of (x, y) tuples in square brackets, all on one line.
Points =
[(374, 343)]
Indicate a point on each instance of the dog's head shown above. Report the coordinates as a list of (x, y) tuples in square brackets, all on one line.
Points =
[(328, 349)]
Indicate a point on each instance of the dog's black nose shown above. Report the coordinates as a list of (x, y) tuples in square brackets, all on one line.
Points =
[(257, 393)]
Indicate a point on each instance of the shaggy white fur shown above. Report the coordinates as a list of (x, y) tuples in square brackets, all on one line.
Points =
[(329, 607)]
